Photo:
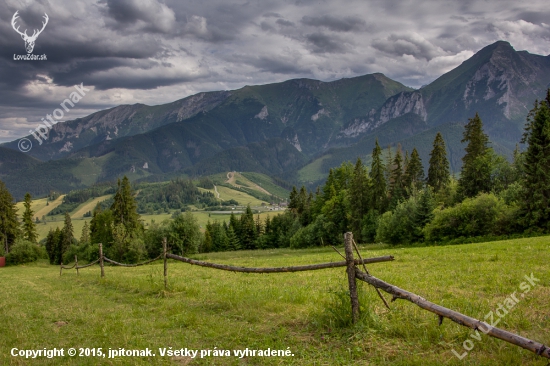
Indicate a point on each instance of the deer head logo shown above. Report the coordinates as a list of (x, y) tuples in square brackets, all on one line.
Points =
[(29, 41)]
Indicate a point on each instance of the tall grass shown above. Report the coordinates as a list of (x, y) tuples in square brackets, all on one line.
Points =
[(309, 312)]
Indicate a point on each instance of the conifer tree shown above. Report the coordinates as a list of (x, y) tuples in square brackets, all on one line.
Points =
[(389, 165), (424, 212), (67, 234), (248, 230), (29, 228), (53, 245), (518, 164), (233, 240), (414, 173), (124, 207), (536, 182), (475, 175), (85, 236), (293, 199), (9, 226), (359, 192), (101, 226), (378, 180), (397, 189), (207, 242), (438, 172), (235, 224)]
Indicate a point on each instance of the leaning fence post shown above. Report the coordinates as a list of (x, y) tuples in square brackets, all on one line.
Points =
[(76, 263), (165, 263), (348, 240), (101, 259)]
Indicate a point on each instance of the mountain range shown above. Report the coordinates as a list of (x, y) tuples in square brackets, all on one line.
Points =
[(295, 129)]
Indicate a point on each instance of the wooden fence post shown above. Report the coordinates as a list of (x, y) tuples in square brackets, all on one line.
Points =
[(101, 259), (348, 240), (165, 263), (60, 268), (76, 264)]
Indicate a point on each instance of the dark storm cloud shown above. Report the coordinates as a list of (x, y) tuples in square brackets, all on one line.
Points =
[(324, 43), (538, 17), (345, 24), (123, 49), (155, 16)]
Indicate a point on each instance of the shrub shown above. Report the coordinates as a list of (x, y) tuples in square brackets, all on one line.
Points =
[(23, 251), (85, 252), (399, 226), (512, 195), (476, 216), (321, 231)]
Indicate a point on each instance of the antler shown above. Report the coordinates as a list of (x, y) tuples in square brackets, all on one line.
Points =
[(35, 34), (15, 16)]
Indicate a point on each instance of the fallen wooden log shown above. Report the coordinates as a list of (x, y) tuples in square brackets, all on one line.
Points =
[(398, 293), (276, 269)]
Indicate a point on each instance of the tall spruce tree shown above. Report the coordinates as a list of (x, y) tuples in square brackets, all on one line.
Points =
[(9, 226), (475, 175), (232, 239), (536, 182), (359, 192), (85, 235), (101, 226), (248, 229), (414, 173), (67, 234), (439, 175), (124, 207), (378, 180), (53, 245), (397, 188), (28, 225)]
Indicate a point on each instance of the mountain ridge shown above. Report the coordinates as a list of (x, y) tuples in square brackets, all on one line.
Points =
[(305, 119)]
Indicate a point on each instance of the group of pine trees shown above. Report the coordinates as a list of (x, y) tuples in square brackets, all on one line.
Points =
[(18, 240)]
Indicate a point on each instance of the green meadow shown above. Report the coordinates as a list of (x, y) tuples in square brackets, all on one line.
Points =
[(307, 313)]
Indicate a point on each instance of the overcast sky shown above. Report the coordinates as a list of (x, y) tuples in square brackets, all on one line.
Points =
[(158, 51)]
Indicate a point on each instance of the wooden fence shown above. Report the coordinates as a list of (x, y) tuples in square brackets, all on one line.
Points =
[(353, 274)]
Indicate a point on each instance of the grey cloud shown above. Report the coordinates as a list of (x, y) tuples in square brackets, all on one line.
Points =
[(399, 45), (272, 15), (181, 47), (461, 18), (534, 17), (345, 24), (156, 16), (273, 64), (285, 23), (267, 27), (323, 43)]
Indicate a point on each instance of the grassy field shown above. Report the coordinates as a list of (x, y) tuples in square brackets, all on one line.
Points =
[(313, 172), (305, 312), (39, 206), (89, 205), (244, 199)]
